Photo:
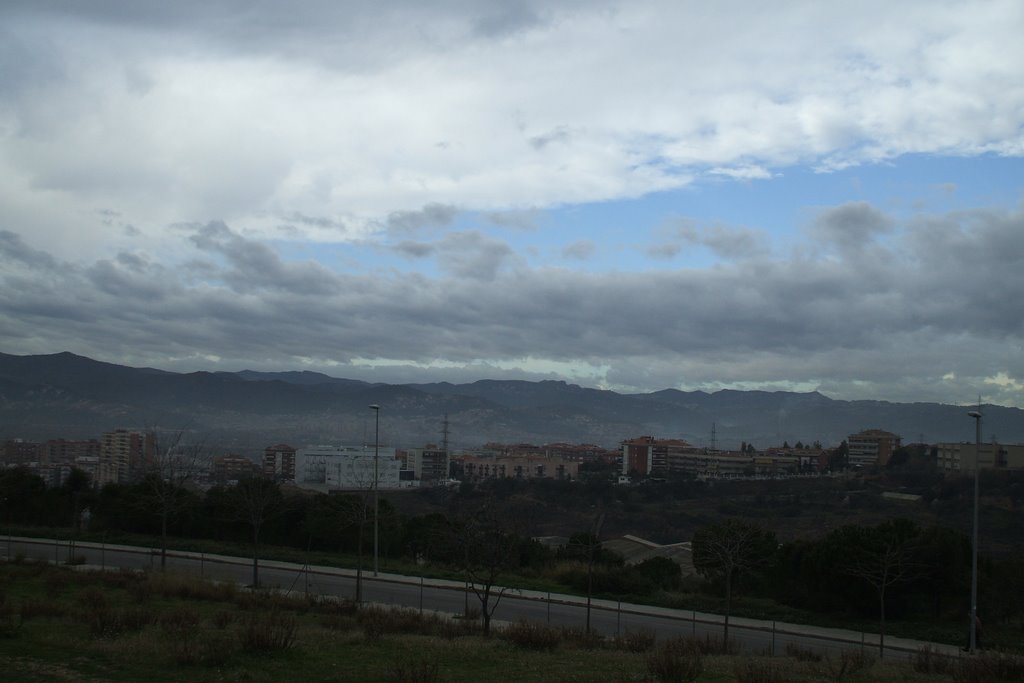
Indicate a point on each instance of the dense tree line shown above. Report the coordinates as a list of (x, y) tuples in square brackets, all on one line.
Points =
[(890, 571)]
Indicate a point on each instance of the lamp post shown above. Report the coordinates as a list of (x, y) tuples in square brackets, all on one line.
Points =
[(376, 483), (973, 642)]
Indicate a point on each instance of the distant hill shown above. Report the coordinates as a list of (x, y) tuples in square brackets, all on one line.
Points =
[(64, 395)]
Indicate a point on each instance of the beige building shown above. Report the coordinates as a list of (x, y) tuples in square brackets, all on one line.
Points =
[(517, 467), (871, 447), (427, 464), (955, 457), (123, 455)]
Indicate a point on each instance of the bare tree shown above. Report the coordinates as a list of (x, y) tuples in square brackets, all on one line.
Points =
[(883, 558), (486, 539), (173, 465), (255, 500), (727, 551)]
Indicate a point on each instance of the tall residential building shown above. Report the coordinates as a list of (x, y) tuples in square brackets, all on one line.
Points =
[(279, 462), (64, 452), (871, 447), (428, 464), (124, 455)]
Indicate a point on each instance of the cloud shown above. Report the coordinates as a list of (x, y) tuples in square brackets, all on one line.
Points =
[(580, 250), (430, 216), (849, 325), (850, 226)]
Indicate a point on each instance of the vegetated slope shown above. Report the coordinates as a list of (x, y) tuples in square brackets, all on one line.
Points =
[(72, 396)]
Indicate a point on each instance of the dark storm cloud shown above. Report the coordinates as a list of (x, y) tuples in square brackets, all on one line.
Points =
[(851, 226), (254, 266), (430, 216), (14, 249), (948, 284)]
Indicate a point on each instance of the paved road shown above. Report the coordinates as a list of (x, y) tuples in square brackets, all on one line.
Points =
[(607, 617)]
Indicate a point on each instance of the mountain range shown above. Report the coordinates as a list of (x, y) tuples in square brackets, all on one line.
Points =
[(68, 396)]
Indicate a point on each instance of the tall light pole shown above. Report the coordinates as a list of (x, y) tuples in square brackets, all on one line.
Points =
[(376, 453), (973, 643)]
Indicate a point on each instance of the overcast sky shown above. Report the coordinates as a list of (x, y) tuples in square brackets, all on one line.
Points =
[(639, 195)]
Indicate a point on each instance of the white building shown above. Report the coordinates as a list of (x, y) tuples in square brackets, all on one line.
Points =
[(340, 468)]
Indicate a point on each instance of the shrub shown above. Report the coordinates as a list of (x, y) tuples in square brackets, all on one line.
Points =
[(212, 649), (92, 599), (850, 662), (268, 631), (414, 672), (989, 666), (929, 661), (179, 622), (675, 661), (532, 636), (32, 608), (758, 671), (637, 641), (112, 622), (10, 619), (378, 621), (802, 654), (223, 618)]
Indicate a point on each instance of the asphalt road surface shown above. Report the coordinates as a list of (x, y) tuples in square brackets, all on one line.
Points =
[(451, 597)]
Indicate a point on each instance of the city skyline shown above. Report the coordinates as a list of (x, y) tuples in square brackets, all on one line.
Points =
[(659, 195)]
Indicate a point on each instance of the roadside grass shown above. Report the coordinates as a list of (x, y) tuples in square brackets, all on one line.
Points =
[(162, 627), (1007, 636)]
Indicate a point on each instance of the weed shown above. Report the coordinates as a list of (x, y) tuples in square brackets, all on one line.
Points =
[(850, 662), (223, 618), (929, 661), (758, 671), (532, 636), (179, 622), (675, 661), (989, 666), (414, 672), (32, 608), (268, 631), (637, 641), (802, 654), (110, 622)]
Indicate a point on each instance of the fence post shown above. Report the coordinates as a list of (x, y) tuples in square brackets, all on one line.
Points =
[(202, 565), (618, 620), (693, 622), (549, 607), (56, 551), (773, 638), (421, 596)]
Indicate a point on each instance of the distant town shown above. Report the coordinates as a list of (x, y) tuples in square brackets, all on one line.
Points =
[(128, 455)]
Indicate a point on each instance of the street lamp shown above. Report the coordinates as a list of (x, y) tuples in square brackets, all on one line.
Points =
[(376, 453), (973, 643)]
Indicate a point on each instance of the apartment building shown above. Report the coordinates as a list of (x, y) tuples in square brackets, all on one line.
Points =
[(871, 447), (427, 464), (124, 455), (279, 462), (956, 457)]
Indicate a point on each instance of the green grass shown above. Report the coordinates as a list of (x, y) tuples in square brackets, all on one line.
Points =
[(184, 628)]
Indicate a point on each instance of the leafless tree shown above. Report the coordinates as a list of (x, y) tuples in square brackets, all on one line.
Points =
[(174, 464), (883, 558), (486, 539), (727, 551), (255, 500)]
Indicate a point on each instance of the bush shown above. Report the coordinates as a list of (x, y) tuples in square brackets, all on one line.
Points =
[(532, 636), (110, 622), (268, 631), (637, 641), (929, 661), (989, 666), (222, 619), (675, 661), (179, 622), (758, 671), (802, 654), (850, 662), (414, 672), (32, 608), (213, 649), (378, 621)]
